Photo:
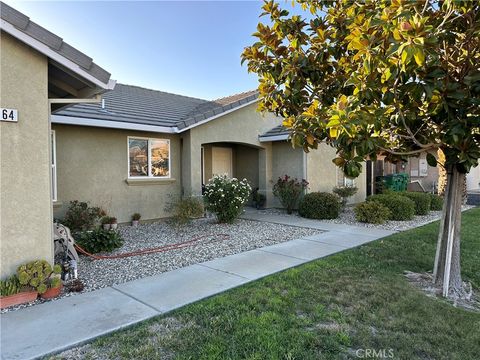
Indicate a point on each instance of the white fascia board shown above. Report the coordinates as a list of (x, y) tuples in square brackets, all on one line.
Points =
[(283, 137), (217, 116), (44, 49), (70, 120)]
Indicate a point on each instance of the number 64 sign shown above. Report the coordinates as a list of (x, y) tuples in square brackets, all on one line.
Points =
[(9, 115)]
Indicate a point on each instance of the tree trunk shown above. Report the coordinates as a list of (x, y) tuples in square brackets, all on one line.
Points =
[(447, 260)]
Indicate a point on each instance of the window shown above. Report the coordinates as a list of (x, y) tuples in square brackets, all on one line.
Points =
[(148, 158), (349, 181), (54, 165)]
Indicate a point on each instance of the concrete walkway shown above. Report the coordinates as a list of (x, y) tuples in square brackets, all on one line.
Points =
[(58, 325)]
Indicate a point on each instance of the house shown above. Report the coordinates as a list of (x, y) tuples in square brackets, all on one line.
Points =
[(140, 149), (39, 73), (131, 150)]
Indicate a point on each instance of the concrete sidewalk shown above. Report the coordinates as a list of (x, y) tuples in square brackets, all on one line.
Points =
[(58, 325)]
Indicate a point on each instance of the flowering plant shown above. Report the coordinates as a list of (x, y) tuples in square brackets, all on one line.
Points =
[(226, 196), (288, 190)]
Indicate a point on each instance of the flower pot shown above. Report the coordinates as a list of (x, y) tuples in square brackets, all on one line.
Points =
[(113, 226), (106, 226), (134, 222), (20, 298), (51, 292)]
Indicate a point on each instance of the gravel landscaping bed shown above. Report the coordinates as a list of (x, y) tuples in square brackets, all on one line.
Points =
[(347, 217), (241, 236)]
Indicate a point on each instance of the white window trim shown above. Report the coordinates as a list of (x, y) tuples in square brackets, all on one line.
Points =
[(150, 176), (53, 165), (347, 179)]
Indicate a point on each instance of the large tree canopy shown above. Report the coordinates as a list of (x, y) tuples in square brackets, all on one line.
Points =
[(379, 77), (374, 77)]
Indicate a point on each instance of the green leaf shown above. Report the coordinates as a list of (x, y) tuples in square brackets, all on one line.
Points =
[(431, 160)]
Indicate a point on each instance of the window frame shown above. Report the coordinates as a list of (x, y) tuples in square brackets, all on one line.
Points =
[(149, 163), (53, 165)]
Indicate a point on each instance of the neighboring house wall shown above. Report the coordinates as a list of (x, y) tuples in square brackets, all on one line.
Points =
[(473, 178), (240, 127), (92, 165), (417, 169), (25, 203), (324, 175)]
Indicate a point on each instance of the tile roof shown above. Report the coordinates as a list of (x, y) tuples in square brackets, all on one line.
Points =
[(217, 107), (54, 42), (137, 105), (279, 130)]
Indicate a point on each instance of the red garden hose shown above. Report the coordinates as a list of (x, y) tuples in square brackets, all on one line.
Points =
[(160, 249)]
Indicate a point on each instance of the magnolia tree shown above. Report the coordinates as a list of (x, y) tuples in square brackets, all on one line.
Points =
[(393, 78)]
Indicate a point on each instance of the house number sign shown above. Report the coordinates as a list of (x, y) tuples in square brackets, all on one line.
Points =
[(10, 115)]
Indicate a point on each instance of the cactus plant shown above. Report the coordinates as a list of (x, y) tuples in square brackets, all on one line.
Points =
[(38, 275), (10, 286)]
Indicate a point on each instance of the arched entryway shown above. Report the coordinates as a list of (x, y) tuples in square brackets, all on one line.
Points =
[(233, 159)]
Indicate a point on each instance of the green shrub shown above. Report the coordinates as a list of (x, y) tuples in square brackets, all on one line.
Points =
[(345, 192), (373, 212), (436, 202), (81, 217), (10, 286), (401, 207), (99, 240), (320, 205), (183, 210), (288, 190), (422, 201), (226, 196)]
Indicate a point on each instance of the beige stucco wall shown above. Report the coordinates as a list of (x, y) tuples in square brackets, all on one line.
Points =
[(246, 164), (92, 165), (286, 161), (242, 127), (323, 174), (25, 206)]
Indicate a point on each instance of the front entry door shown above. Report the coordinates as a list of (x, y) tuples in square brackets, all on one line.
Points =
[(222, 161)]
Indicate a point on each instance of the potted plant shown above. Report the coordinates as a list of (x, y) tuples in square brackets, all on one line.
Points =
[(41, 276), (135, 219), (258, 199), (13, 293), (105, 222), (113, 223), (54, 287)]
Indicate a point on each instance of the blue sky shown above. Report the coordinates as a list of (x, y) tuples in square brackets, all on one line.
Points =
[(186, 47)]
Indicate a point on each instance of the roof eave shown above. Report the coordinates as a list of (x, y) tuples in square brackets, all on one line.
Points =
[(110, 124), (47, 51), (282, 137)]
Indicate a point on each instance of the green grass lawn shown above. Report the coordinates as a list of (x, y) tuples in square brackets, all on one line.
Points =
[(327, 309)]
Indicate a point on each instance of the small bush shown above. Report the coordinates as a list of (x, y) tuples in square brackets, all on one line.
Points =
[(373, 212), (345, 192), (288, 190), (81, 217), (99, 240), (186, 209), (401, 207), (436, 202), (10, 286), (422, 201), (226, 196), (320, 205)]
